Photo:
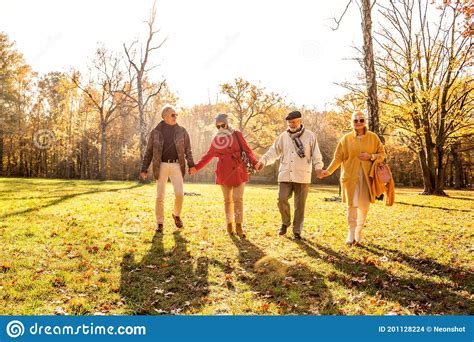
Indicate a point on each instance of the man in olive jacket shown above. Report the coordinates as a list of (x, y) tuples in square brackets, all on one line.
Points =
[(169, 148)]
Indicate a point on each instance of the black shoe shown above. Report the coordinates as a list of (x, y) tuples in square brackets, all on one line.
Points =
[(159, 228), (297, 236), (177, 221), (283, 229)]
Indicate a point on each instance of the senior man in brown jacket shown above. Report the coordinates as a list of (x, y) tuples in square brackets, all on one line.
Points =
[(169, 148)]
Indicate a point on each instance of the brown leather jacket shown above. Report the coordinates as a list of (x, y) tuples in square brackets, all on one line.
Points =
[(154, 149)]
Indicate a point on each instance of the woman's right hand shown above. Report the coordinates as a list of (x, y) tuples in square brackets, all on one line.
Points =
[(323, 174), (259, 166), (192, 170)]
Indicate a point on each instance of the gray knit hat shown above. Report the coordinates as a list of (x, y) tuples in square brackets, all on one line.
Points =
[(222, 118)]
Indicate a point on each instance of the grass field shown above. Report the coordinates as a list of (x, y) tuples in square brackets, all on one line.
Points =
[(86, 247)]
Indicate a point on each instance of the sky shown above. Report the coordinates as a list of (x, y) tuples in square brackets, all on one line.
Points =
[(285, 46)]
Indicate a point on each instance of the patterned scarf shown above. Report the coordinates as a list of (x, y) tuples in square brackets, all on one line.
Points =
[(295, 136)]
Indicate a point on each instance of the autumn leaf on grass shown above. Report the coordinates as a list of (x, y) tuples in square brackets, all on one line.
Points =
[(460, 275), (369, 261), (107, 246), (58, 281), (264, 307), (5, 267), (92, 249)]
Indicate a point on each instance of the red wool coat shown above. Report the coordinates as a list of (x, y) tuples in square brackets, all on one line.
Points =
[(230, 167)]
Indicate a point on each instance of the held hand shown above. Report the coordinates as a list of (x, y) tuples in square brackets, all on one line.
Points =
[(259, 166), (324, 174), (365, 156), (143, 175), (192, 170), (318, 173)]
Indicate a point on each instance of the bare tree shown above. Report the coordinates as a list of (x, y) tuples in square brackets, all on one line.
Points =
[(142, 92), (105, 90), (425, 68)]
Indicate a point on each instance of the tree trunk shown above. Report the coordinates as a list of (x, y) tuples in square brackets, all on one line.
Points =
[(1, 151), (141, 117), (370, 77), (457, 166), (22, 157), (428, 186), (440, 173), (103, 152)]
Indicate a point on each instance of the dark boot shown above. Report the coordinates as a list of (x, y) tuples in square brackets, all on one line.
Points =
[(177, 221), (283, 229), (230, 229), (159, 228), (239, 230)]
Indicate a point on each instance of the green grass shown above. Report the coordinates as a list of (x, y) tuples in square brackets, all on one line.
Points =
[(86, 247)]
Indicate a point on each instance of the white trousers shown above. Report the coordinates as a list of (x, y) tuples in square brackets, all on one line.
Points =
[(357, 213), (169, 171)]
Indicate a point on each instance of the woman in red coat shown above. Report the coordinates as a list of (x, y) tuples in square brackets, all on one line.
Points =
[(231, 172)]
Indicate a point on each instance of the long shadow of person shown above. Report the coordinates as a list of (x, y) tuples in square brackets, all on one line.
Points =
[(417, 294), (164, 282), (294, 289), (462, 277)]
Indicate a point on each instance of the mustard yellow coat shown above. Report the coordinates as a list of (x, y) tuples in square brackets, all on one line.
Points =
[(347, 152)]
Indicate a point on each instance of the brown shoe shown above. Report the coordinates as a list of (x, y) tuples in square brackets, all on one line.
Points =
[(159, 228), (230, 229), (239, 230), (177, 221)]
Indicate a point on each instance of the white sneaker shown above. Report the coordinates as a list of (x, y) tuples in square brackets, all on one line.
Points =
[(350, 237), (358, 235)]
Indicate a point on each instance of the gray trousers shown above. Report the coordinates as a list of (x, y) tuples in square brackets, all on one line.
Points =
[(286, 190)]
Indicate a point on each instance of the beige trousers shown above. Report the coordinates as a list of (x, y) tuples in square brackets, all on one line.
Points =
[(357, 213), (169, 171), (233, 202)]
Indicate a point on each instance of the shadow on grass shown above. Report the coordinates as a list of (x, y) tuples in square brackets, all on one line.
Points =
[(433, 207), (417, 294), (164, 282), (295, 289), (463, 277), (62, 199), (462, 198)]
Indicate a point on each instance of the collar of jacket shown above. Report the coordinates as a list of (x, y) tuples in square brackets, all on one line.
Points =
[(162, 123), (354, 132)]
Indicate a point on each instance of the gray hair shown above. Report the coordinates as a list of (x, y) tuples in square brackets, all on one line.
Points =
[(165, 109), (358, 113)]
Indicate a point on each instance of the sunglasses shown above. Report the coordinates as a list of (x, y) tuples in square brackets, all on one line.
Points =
[(221, 126), (359, 120), (174, 115)]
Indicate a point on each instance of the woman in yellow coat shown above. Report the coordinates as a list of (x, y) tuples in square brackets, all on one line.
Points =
[(356, 151)]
